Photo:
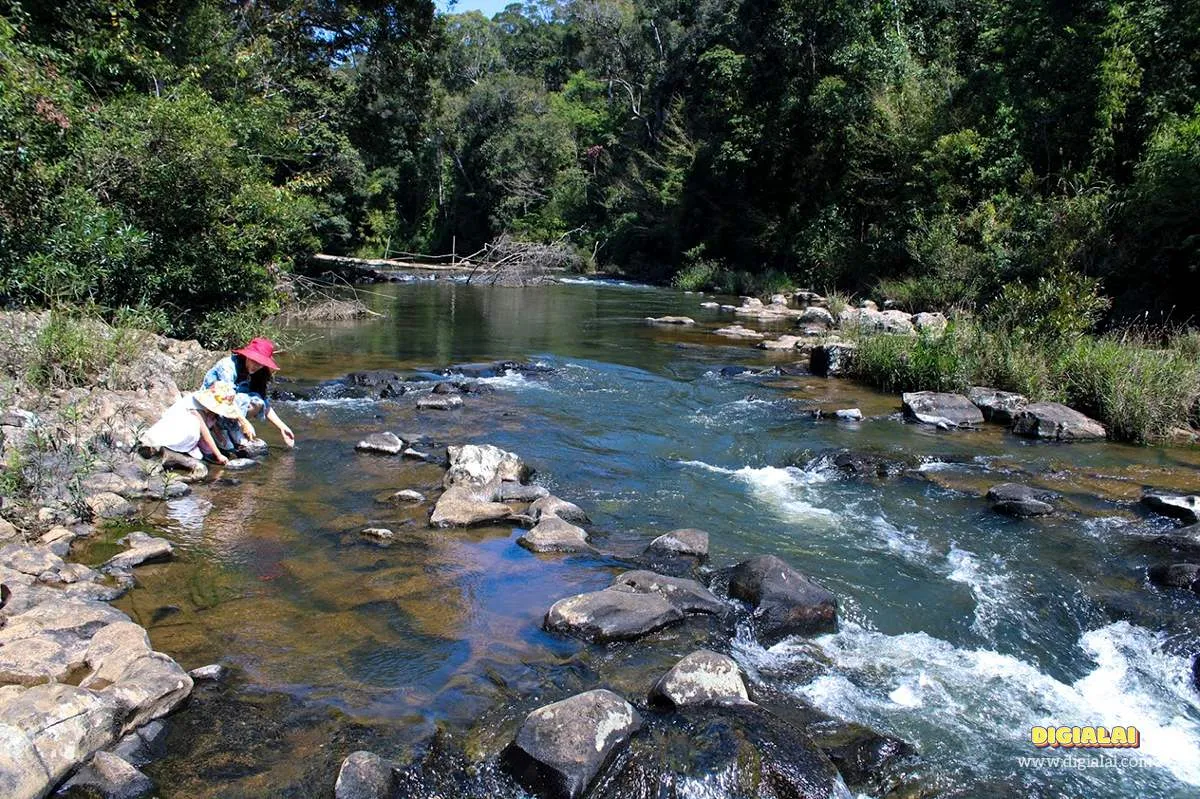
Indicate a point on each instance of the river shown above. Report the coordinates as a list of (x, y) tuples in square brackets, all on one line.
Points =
[(960, 629)]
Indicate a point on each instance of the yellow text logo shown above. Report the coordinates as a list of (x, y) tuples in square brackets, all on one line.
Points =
[(1086, 737)]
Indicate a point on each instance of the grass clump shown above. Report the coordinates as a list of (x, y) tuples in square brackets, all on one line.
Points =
[(71, 351)]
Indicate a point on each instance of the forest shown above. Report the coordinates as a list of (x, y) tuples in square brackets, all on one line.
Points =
[(168, 162)]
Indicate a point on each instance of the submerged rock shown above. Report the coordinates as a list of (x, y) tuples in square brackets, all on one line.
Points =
[(553, 534), (785, 601), (1177, 575), (611, 615), (382, 443), (142, 549), (439, 402), (701, 678), (946, 411), (364, 775), (671, 320), (862, 464), (1013, 499), (1000, 407), (562, 747), (687, 595), (1185, 508), (1052, 421), (863, 756), (686, 541)]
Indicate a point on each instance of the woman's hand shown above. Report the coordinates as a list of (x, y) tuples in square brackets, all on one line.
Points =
[(220, 458), (289, 437)]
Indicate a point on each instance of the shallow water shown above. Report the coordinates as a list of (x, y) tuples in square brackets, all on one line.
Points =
[(960, 628)]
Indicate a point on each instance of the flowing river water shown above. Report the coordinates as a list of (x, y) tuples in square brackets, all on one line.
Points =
[(960, 628)]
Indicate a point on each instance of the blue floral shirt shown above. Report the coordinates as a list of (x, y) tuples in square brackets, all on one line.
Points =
[(225, 369)]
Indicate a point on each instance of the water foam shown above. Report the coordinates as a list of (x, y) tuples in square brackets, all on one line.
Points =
[(989, 587), (781, 488)]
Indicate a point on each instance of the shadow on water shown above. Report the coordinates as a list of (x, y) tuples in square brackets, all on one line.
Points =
[(960, 629)]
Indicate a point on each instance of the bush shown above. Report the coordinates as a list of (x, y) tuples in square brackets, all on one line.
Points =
[(70, 351), (927, 362)]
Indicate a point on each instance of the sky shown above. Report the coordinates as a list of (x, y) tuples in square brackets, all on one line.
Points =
[(488, 7)]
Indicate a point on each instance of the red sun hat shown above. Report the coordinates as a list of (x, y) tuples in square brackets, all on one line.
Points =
[(260, 350)]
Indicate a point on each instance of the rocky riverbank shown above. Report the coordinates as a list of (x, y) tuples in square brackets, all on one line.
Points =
[(81, 689)]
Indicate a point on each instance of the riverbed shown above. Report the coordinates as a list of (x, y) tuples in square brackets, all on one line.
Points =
[(960, 628)]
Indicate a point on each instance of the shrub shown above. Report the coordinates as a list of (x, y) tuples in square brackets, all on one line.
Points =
[(927, 362), (70, 351)]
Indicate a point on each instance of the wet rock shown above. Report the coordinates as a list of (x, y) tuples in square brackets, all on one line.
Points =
[(112, 777), (407, 495), (1177, 575), (512, 491), (213, 672), (671, 320), (685, 541), (106, 505), (611, 615), (382, 443), (1185, 508), (999, 407), (1196, 671), (932, 323), (687, 595), (738, 331), (733, 750), (364, 775), (142, 548), (553, 534), (861, 464), (710, 305), (849, 414), (831, 359), (785, 601), (701, 678), (478, 465), (415, 454), (239, 464), (450, 387), (1051, 421), (459, 506), (562, 747), (947, 411), (379, 383), (553, 506), (378, 534), (494, 369), (864, 756), (439, 403), (1013, 499), (143, 745)]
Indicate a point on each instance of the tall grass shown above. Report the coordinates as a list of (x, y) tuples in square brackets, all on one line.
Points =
[(1138, 388)]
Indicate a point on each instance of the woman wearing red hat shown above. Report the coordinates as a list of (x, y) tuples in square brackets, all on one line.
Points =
[(250, 369)]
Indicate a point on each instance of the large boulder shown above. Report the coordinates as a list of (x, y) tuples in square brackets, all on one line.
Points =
[(831, 359), (483, 465), (785, 601), (1000, 407), (1052, 421), (364, 775), (460, 506), (1177, 575), (562, 747), (687, 595), (1013, 499), (946, 411), (701, 678), (552, 534), (1185, 508), (611, 615), (685, 541)]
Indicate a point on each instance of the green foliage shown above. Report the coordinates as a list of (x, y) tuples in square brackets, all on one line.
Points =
[(1057, 310), (72, 351), (907, 363)]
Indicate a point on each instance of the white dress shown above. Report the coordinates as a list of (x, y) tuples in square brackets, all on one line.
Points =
[(178, 429)]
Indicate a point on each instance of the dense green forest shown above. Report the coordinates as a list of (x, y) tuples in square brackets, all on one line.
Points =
[(172, 158)]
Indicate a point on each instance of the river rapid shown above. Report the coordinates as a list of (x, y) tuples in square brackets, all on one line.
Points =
[(960, 628)]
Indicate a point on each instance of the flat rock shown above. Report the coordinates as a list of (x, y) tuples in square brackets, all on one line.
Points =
[(553, 506), (782, 343), (1186, 508), (701, 678), (364, 775), (112, 777), (785, 601), (737, 331), (611, 615), (687, 595), (1000, 407), (1177, 575), (511, 491), (382, 443), (831, 359), (684, 541), (239, 464), (1052, 421), (848, 414), (30, 559), (941, 410), (671, 320), (106, 505), (407, 495), (561, 748), (1020, 501), (553, 534), (439, 402), (142, 549), (459, 506)]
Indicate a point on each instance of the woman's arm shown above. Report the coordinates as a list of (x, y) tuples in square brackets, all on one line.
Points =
[(207, 438), (289, 437)]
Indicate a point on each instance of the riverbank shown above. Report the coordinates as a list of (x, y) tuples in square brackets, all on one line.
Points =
[(82, 689)]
